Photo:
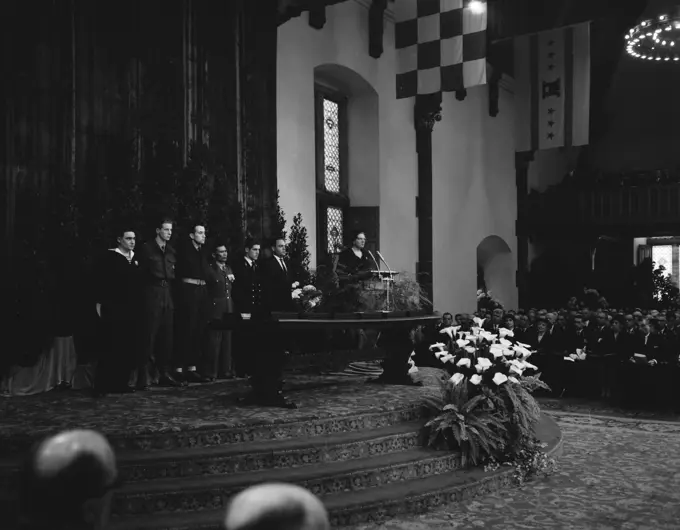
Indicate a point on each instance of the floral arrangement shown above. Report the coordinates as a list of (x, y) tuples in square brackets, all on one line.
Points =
[(486, 301), (306, 298), (485, 409)]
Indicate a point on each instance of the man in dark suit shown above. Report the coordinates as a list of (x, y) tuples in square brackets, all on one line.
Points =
[(496, 321), (277, 279), (192, 304), (118, 306), (218, 359)]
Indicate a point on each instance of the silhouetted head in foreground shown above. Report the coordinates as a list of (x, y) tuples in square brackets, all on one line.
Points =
[(66, 482), (276, 507)]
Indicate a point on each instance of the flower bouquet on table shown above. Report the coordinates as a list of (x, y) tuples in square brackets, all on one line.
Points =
[(484, 409), (307, 298)]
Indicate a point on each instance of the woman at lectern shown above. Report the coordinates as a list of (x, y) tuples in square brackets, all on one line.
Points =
[(354, 263)]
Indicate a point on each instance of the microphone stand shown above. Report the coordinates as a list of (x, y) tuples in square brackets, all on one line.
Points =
[(389, 279)]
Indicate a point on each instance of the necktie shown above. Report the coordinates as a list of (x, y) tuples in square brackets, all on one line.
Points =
[(283, 265)]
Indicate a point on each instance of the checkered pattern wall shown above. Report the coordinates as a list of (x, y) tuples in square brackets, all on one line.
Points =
[(441, 46)]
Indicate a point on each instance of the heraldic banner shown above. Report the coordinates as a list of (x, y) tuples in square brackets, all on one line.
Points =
[(552, 88)]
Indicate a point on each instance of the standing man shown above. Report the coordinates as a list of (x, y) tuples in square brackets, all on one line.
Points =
[(247, 294), (192, 304), (277, 279), (259, 344), (157, 262), (218, 359), (118, 306)]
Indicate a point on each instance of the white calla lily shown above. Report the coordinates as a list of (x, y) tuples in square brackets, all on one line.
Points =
[(478, 321), (505, 342), (496, 350), (440, 354), (476, 379), (437, 345), (513, 379), (500, 378), (462, 342), (505, 332), (448, 331), (483, 364), (464, 362), (457, 378), (470, 349), (447, 358)]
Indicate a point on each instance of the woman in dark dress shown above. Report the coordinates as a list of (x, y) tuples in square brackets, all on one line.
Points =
[(354, 263)]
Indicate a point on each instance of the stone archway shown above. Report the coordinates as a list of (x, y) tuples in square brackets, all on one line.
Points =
[(495, 264)]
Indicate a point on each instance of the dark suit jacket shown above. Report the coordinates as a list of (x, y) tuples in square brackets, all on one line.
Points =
[(544, 346), (247, 287), (652, 349), (276, 286), (220, 291), (620, 345)]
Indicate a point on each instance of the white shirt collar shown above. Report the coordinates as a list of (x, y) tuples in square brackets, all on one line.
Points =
[(128, 256)]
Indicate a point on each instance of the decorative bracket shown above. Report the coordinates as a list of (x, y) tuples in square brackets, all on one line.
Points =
[(427, 111), (317, 16), (494, 92), (376, 15)]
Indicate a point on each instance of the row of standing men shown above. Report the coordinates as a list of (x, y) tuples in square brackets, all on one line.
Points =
[(169, 310)]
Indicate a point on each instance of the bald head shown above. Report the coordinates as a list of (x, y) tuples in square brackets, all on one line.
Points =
[(66, 471), (276, 507)]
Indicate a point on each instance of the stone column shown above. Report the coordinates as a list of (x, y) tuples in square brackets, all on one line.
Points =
[(427, 112)]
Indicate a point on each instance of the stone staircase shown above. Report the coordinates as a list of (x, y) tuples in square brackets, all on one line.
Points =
[(365, 466)]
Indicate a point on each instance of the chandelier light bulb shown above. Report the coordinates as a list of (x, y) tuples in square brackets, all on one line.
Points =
[(477, 7), (651, 39)]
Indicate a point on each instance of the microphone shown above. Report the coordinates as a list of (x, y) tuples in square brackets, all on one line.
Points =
[(377, 266), (384, 261)]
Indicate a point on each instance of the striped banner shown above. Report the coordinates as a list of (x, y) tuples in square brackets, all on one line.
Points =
[(552, 88)]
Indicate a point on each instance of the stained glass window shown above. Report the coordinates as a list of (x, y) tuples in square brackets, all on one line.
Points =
[(662, 255), (334, 229), (331, 145)]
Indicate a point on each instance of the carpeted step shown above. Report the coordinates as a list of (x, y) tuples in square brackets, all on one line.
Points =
[(211, 492), (271, 454), (351, 508)]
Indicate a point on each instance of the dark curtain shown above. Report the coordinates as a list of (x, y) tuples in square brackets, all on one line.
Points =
[(122, 112)]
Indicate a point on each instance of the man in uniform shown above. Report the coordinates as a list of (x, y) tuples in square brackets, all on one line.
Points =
[(192, 304), (218, 359), (157, 262), (259, 343), (118, 307)]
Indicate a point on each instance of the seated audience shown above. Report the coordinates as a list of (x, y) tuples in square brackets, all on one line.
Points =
[(276, 507), (67, 483)]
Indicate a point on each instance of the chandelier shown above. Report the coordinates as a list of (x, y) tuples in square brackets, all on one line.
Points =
[(657, 39)]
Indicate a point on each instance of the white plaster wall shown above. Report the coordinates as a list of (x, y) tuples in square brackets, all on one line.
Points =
[(473, 155), (475, 194), (344, 41)]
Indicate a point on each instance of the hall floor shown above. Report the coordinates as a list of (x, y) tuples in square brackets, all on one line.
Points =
[(615, 473)]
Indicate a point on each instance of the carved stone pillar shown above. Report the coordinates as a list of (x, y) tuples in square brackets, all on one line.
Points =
[(522, 162), (427, 112)]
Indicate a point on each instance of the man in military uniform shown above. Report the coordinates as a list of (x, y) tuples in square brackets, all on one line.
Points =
[(218, 359), (157, 262), (192, 304), (258, 342)]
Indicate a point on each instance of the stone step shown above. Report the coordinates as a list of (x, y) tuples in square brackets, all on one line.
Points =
[(212, 492), (137, 466), (355, 507)]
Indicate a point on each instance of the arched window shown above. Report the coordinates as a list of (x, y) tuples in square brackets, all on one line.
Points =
[(332, 187)]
